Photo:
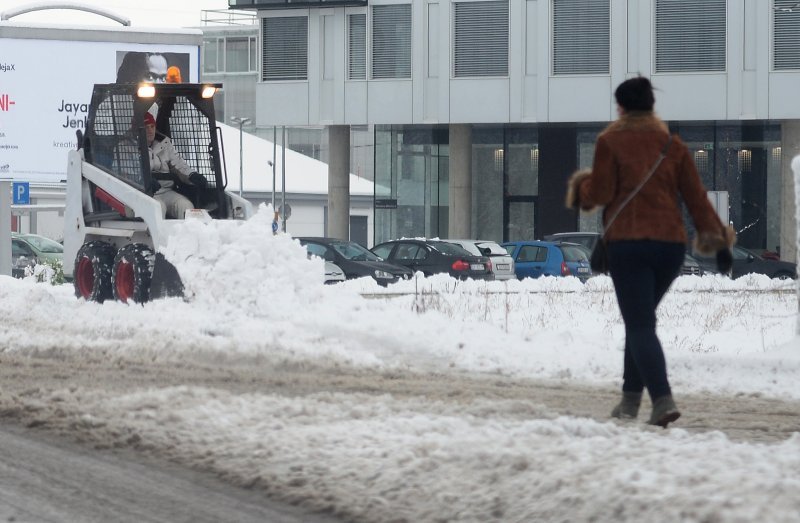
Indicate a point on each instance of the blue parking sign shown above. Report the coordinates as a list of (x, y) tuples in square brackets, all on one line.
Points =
[(22, 193)]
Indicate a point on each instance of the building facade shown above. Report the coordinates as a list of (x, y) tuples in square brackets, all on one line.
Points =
[(229, 56), (481, 109)]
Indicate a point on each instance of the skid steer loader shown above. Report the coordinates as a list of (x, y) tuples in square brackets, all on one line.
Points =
[(114, 227)]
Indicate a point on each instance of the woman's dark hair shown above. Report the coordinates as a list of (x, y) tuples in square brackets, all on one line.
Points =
[(635, 94), (133, 68)]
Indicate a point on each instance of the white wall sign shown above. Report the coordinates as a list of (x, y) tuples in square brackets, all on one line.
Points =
[(45, 90)]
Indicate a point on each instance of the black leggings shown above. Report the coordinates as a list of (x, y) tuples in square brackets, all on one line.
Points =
[(642, 271)]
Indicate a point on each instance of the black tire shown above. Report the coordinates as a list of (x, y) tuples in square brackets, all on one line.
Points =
[(92, 271), (784, 275), (132, 273)]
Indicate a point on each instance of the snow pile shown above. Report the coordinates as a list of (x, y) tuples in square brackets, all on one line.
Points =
[(241, 265)]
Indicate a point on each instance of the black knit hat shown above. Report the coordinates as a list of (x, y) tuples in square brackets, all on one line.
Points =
[(635, 94)]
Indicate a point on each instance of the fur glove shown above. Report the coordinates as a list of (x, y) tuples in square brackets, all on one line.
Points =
[(573, 200), (710, 243)]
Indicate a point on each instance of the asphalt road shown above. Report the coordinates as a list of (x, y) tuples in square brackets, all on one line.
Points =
[(48, 479), (53, 468)]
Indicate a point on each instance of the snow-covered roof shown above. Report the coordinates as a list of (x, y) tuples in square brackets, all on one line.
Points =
[(304, 175)]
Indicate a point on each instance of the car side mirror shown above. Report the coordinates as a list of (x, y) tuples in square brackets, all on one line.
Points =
[(750, 258), (329, 257)]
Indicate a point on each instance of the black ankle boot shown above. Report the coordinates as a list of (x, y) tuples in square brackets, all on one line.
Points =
[(628, 408), (664, 411)]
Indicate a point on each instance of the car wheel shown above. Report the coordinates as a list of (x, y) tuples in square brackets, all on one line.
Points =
[(92, 272), (132, 274), (784, 275)]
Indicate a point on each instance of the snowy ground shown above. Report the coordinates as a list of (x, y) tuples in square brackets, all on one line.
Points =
[(456, 447)]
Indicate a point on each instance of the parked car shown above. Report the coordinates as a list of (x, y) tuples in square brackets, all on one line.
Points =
[(746, 261), (588, 239), (355, 260), (502, 264), (333, 274), (29, 249), (544, 258), (434, 257)]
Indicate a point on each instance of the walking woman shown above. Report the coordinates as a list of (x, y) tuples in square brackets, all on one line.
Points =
[(639, 175)]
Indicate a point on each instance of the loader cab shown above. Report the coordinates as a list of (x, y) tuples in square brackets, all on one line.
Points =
[(115, 140)]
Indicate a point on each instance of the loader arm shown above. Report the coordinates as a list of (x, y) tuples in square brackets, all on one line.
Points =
[(84, 178)]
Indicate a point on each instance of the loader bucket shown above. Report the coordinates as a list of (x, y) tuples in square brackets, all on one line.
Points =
[(166, 283)]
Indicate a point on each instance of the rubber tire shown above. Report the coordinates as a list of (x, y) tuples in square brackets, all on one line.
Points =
[(132, 273), (92, 271), (783, 275)]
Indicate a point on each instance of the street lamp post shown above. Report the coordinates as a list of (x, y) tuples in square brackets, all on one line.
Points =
[(241, 121)]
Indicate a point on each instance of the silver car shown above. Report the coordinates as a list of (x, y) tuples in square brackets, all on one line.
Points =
[(333, 274), (502, 263)]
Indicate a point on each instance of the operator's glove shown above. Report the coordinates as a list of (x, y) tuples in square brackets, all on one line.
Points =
[(154, 185), (198, 180), (724, 260)]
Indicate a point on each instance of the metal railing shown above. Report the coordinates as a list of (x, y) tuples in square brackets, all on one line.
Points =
[(227, 17)]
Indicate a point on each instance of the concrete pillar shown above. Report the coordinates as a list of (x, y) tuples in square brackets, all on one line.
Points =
[(460, 187), (339, 182), (790, 147), (5, 227)]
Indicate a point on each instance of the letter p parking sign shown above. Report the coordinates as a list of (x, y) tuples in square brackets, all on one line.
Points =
[(21, 192)]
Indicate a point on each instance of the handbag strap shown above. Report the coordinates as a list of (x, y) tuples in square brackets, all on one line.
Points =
[(630, 196)]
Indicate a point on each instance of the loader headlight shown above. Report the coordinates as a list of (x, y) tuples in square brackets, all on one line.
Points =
[(208, 91), (146, 91)]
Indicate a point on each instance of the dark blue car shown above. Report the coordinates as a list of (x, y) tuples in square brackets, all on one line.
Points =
[(540, 258)]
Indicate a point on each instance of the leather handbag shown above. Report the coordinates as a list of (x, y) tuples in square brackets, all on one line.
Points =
[(598, 261)]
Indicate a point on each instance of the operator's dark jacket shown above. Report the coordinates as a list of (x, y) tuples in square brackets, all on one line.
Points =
[(626, 150)]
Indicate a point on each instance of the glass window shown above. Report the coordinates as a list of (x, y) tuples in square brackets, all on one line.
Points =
[(353, 251), (573, 253), (316, 249), (785, 35), (407, 251), (528, 253), (383, 250), (522, 163), (690, 35), (480, 38), (391, 41), (521, 220), (18, 248), (411, 169), (284, 52), (581, 36), (44, 244), (236, 55), (450, 248), (253, 55), (210, 56), (487, 182), (357, 46)]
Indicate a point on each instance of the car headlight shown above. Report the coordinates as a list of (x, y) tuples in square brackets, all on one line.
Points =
[(383, 275)]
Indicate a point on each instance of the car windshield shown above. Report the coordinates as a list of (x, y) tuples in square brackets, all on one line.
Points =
[(353, 251), (574, 253), (46, 245), (450, 248), (494, 249)]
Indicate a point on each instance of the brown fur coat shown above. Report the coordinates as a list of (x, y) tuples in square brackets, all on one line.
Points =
[(626, 150)]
